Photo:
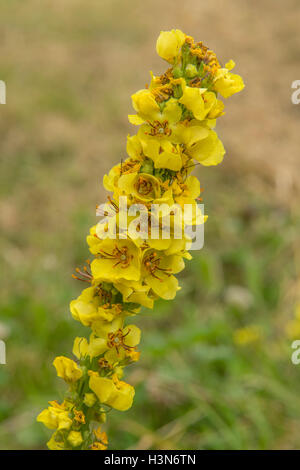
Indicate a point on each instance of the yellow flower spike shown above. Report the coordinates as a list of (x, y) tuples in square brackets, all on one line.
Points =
[(67, 369), (132, 266), (169, 43)]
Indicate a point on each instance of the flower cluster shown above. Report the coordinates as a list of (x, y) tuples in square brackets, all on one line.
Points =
[(176, 115)]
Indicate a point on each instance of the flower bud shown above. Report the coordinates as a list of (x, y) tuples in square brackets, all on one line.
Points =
[(191, 70), (75, 438), (169, 43)]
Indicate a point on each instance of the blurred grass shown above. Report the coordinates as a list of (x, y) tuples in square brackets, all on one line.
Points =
[(70, 69)]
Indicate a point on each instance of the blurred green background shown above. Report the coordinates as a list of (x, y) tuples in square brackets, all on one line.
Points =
[(215, 370)]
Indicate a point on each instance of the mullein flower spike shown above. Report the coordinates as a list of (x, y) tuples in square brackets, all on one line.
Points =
[(176, 115)]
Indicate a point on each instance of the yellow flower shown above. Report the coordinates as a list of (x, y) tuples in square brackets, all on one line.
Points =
[(101, 437), (89, 399), (158, 270), (191, 132), (193, 100), (293, 326), (247, 335), (145, 105), (200, 142), (158, 136), (113, 336), (55, 417), (171, 112), (202, 103), (115, 393), (56, 442), (191, 70), (169, 43), (67, 369), (118, 259), (85, 308), (142, 186), (135, 292), (208, 151), (95, 303), (227, 83), (75, 438), (98, 446), (79, 416)]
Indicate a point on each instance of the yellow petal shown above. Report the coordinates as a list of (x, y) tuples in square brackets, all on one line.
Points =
[(229, 84), (193, 100), (102, 387), (133, 335), (75, 438), (209, 151), (80, 347), (67, 369), (172, 111), (122, 398), (169, 43), (135, 119), (145, 105)]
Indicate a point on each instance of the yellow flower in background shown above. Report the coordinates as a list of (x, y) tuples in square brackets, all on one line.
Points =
[(67, 369), (169, 43), (247, 335), (293, 326)]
